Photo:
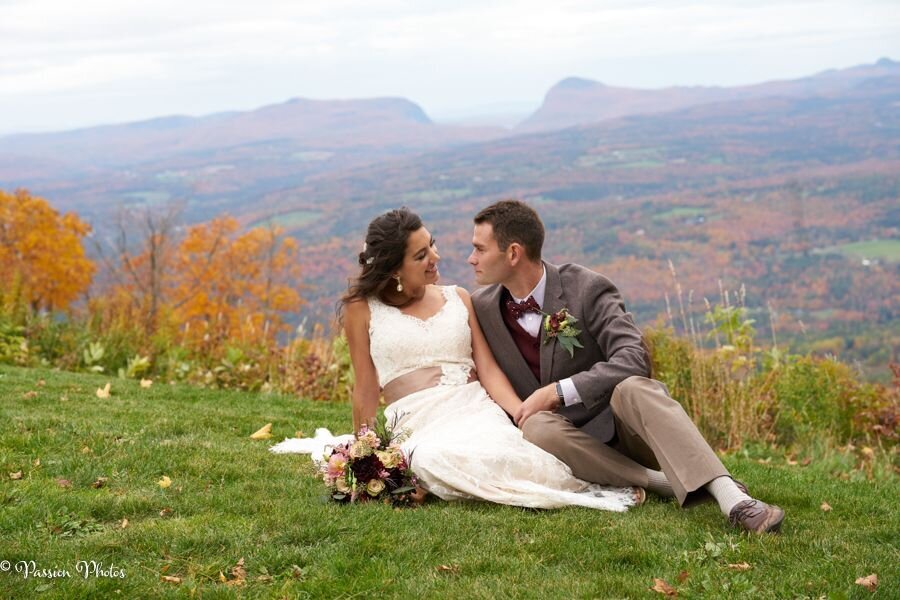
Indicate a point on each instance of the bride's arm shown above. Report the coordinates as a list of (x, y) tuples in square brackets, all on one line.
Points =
[(490, 375), (365, 388)]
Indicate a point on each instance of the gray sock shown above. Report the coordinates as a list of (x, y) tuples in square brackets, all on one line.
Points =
[(659, 484), (726, 493)]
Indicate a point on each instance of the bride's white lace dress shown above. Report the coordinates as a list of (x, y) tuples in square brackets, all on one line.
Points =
[(463, 444)]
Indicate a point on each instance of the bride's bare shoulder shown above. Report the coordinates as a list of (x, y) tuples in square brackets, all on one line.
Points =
[(463, 292), (464, 296), (356, 311)]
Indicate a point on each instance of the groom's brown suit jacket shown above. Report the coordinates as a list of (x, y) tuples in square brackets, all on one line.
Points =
[(612, 351)]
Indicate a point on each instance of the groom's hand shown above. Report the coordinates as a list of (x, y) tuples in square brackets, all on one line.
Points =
[(544, 398)]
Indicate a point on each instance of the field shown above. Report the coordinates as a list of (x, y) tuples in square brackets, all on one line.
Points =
[(81, 482)]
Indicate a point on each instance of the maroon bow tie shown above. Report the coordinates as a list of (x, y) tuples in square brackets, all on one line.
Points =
[(517, 309)]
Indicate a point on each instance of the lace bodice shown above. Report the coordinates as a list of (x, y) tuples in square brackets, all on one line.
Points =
[(400, 343)]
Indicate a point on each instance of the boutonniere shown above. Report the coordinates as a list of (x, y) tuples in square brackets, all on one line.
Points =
[(561, 325)]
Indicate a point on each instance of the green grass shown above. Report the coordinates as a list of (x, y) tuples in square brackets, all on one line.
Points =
[(231, 499), (880, 249)]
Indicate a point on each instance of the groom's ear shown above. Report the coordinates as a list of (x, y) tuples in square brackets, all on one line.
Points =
[(514, 253)]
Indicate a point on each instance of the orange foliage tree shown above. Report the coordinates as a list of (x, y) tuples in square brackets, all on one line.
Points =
[(215, 285), (231, 285), (42, 259)]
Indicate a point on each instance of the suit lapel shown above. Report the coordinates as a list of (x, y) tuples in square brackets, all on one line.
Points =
[(501, 341), (553, 302)]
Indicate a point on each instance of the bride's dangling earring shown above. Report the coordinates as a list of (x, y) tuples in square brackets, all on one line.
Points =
[(399, 285)]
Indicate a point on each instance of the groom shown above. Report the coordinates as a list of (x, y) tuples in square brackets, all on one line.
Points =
[(588, 399)]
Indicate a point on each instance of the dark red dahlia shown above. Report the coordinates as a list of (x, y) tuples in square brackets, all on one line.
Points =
[(367, 468)]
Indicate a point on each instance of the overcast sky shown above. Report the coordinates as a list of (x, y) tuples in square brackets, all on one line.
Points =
[(74, 63)]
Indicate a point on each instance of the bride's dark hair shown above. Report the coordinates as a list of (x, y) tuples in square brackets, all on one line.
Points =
[(382, 254)]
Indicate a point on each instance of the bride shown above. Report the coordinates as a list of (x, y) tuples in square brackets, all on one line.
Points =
[(421, 345)]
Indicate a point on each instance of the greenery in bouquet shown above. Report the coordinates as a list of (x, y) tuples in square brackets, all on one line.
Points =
[(371, 467)]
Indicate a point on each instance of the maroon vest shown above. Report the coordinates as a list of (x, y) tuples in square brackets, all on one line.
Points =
[(529, 346)]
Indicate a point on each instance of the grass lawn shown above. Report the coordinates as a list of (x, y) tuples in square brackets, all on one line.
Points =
[(880, 249), (230, 499)]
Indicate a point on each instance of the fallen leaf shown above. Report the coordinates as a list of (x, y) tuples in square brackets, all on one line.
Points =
[(682, 577), (145, 383), (64, 483), (742, 566), (870, 582), (16, 475), (37, 462), (41, 383), (238, 574), (296, 572), (264, 433), (825, 507), (124, 523), (299, 433), (165, 512), (171, 579), (164, 569), (447, 568), (791, 461), (805, 462), (99, 483), (222, 577), (867, 453), (661, 587), (104, 391), (264, 578), (30, 395), (86, 450), (764, 461), (165, 482)]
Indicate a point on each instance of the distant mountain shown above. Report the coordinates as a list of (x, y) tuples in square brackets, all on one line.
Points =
[(325, 124), (576, 101), (221, 160)]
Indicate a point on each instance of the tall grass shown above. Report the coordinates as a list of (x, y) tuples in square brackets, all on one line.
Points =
[(738, 392)]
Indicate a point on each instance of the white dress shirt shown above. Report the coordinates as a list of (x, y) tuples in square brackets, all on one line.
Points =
[(531, 322)]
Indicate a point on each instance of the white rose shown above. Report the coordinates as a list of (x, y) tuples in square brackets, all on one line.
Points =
[(375, 487)]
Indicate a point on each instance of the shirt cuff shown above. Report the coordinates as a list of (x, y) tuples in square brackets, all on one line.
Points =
[(570, 394)]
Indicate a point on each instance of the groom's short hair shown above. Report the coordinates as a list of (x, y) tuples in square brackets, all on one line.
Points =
[(514, 221)]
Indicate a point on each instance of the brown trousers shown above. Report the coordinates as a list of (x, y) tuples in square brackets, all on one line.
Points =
[(652, 431)]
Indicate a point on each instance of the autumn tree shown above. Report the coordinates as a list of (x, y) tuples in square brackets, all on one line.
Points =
[(213, 282), (235, 285), (144, 245), (42, 259)]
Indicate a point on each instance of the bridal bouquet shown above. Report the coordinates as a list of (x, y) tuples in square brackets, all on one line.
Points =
[(371, 467)]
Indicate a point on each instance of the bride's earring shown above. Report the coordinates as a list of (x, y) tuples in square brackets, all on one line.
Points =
[(399, 285)]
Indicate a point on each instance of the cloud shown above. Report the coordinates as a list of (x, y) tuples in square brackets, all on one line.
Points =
[(451, 54)]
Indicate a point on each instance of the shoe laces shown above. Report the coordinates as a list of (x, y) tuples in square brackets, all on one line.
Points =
[(746, 510)]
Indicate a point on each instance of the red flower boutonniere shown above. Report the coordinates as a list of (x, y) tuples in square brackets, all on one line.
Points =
[(561, 325)]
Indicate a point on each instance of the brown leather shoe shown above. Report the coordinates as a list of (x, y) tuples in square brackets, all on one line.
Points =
[(756, 516), (640, 495)]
